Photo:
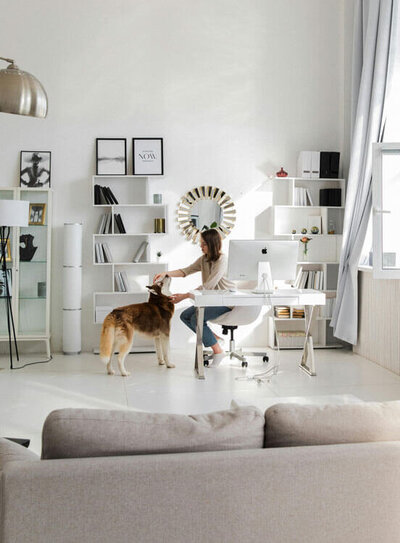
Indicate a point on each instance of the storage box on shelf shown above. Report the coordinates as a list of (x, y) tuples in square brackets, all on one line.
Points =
[(29, 271), (296, 205), (130, 257)]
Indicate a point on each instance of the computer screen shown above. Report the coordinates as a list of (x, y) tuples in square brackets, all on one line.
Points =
[(244, 256)]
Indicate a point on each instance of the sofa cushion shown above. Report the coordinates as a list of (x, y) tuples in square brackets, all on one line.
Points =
[(75, 433), (289, 425)]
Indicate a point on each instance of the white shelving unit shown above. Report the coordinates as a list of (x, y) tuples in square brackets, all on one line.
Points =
[(30, 302), (282, 218), (138, 214)]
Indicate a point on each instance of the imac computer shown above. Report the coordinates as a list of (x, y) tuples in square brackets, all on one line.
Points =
[(263, 261)]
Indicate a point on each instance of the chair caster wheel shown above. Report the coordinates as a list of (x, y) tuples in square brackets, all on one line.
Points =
[(244, 364), (265, 358), (206, 362)]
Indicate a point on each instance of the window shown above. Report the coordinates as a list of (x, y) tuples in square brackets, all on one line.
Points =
[(386, 210)]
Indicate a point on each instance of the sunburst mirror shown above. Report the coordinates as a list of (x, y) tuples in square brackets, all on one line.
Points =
[(205, 207)]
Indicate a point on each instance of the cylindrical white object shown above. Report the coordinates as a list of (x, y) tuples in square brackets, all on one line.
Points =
[(72, 288), (72, 339)]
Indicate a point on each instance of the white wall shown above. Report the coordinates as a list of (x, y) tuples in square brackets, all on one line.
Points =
[(236, 89)]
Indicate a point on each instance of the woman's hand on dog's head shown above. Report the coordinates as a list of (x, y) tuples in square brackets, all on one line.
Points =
[(159, 276)]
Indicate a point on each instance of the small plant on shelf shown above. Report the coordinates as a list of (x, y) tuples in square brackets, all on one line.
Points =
[(305, 240), (159, 255)]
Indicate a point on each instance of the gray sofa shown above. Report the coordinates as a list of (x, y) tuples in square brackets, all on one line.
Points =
[(304, 473)]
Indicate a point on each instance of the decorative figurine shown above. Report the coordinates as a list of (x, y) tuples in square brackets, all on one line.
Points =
[(26, 247), (314, 230), (281, 173), (304, 230), (294, 231)]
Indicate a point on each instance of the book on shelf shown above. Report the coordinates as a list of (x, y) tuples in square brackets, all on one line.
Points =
[(111, 195), (140, 252), (97, 197), (119, 285), (309, 197), (99, 253), (101, 223), (107, 226), (296, 283), (119, 223), (107, 252), (125, 282), (298, 312)]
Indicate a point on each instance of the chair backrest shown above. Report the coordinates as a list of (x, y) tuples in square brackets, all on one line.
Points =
[(239, 315)]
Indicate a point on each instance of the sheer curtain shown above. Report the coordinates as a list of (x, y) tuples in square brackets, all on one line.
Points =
[(373, 39)]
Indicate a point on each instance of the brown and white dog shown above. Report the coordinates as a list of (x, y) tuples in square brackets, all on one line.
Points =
[(152, 318)]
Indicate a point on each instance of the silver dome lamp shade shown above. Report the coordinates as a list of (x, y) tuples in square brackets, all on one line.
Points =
[(21, 93)]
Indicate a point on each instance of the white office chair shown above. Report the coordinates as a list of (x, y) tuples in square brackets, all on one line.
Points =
[(230, 321)]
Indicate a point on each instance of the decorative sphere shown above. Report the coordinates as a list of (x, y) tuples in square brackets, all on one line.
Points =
[(314, 230), (304, 230), (293, 231)]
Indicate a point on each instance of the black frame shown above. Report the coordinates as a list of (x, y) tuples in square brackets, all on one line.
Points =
[(47, 184), (97, 155), (134, 167)]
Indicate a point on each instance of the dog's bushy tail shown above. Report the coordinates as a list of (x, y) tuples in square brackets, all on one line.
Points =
[(107, 339)]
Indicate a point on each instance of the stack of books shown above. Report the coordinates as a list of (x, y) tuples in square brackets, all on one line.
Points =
[(104, 195), (302, 197), (309, 279), (121, 282), (104, 226), (102, 253), (282, 312), (298, 313)]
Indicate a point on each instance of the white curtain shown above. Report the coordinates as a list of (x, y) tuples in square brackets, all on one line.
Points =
[(373, 38)]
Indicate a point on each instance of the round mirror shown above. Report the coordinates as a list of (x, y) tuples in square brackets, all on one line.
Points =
[(205, 207)]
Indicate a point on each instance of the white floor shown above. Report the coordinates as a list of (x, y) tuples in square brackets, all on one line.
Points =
[(28, 395)]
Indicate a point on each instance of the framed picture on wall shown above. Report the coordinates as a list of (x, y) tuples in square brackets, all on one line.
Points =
[(8, 250), (111, 156), (37, 214), (35, 169), (147, 156)]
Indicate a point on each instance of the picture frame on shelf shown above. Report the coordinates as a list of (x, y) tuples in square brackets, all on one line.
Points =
[(8, 249), (147, 156), (37, 214), (3, 290), (35, 169), (111, 156)]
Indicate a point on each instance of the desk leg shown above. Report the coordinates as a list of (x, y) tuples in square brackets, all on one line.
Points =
[(199, 362), (308, 350)]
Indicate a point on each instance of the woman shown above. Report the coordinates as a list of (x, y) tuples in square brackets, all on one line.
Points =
[(213, 266)]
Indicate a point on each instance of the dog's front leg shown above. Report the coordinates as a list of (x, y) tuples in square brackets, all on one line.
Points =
[(165, 350), (159, 350)]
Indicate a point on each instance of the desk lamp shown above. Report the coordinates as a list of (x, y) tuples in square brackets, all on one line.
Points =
[(12, 213)]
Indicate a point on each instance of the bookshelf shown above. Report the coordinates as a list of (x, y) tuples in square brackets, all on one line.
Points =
[(295, 204), (114, 247)]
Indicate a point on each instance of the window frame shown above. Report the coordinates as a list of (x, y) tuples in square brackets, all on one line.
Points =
[(377, 212)]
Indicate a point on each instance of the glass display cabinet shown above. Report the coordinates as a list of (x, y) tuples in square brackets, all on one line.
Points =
[(28, 269)]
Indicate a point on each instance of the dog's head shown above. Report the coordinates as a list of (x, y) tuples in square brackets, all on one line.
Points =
[(161, 287)]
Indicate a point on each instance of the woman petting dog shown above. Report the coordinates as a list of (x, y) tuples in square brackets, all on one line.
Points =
[(213, 266)]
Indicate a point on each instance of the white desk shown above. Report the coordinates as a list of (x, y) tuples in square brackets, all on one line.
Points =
[(216, 298)]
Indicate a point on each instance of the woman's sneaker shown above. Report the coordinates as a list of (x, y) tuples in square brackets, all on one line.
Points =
[(217, 359)]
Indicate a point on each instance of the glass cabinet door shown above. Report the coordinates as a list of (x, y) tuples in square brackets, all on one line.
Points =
[(32, 272), (6, 195)]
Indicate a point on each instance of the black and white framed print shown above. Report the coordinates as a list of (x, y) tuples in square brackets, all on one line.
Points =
[(111, 156), (35, 169), (148, 156)]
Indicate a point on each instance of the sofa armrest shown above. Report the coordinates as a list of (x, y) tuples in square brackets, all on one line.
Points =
[(326, 493), (13, 452)]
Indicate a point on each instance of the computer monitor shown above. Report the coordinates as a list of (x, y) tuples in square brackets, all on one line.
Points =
[(246, 257)]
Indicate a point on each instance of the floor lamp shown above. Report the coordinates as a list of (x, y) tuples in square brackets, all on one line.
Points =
[(12, 213)]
